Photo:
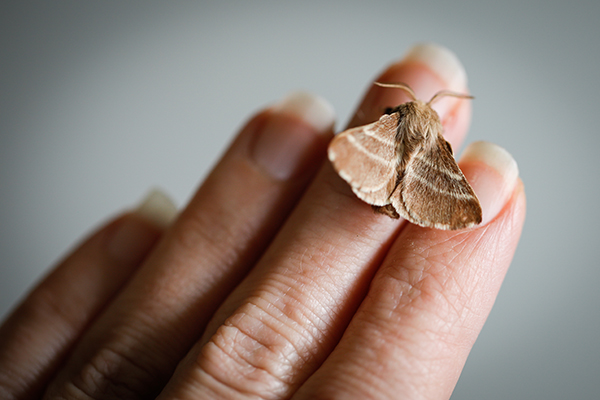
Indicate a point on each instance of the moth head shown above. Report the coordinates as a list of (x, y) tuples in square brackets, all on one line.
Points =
[(411, 93)]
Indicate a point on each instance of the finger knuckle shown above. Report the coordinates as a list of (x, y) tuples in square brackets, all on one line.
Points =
[(108, 374), (253, 352)]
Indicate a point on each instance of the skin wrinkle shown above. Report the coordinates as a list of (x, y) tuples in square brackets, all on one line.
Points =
[(347, 378), (305, 309), (281, 362), (317, 263), (328, 251), (320, 264), (215, 390), (405, 353), (333, 250), (326, 279), (333, 254), (229, 340), (295, 324), (425, 284), (246, 352), (377, 382), (417, 277), (330, 257), (448, 288), (377, 369), (292, 329), (134, 338), (413, 373), (442, 287), (154, 348), (100, 376), (483, 239), (467, 287), (312, 346), (225, 390)]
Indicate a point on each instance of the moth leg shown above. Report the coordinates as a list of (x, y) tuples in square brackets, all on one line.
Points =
[(388, 210)]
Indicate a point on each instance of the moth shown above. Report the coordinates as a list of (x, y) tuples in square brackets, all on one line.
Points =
[(403, 167)]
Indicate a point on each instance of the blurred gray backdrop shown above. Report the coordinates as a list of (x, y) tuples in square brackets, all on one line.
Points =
[(100, 101)]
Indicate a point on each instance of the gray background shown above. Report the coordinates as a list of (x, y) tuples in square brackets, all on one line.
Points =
[(99, 101)]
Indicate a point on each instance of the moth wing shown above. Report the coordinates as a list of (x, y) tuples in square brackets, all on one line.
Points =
[(366, 158), (434, 192)]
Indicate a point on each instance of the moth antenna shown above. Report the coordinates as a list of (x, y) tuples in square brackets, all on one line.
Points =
[(443, 93), (399, 85)]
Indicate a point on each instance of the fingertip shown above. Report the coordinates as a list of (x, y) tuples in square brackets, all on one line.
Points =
[(292, 134), (314, 110), (131, 237), (441, 61), (493, 173), (157, 208)]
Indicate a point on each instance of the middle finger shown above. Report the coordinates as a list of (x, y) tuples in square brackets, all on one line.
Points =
[(277, 327)]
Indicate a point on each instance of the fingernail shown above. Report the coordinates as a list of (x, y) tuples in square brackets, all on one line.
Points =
[(441, 61), (157, 208), (494, 177), (282, 143), (135, 234)]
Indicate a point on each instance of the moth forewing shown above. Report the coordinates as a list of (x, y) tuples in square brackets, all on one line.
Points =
[(402, 166), (366, 158), (434, 191)]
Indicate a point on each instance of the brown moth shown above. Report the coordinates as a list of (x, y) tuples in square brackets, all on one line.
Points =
[(403, 166)]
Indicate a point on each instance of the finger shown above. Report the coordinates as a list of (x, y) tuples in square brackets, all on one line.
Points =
[(411, 336), (280, 323), (40, 332), (134, 347)]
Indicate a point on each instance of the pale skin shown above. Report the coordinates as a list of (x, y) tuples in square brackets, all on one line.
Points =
[(270, 287)]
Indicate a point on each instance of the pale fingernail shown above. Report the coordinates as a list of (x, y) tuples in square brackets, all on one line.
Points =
[(157, 208), (312, 109), (495, 177), (443, 62), (282, 144), (133, 237)]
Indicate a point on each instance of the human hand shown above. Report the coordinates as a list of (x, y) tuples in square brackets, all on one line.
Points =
[(275, 281)]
